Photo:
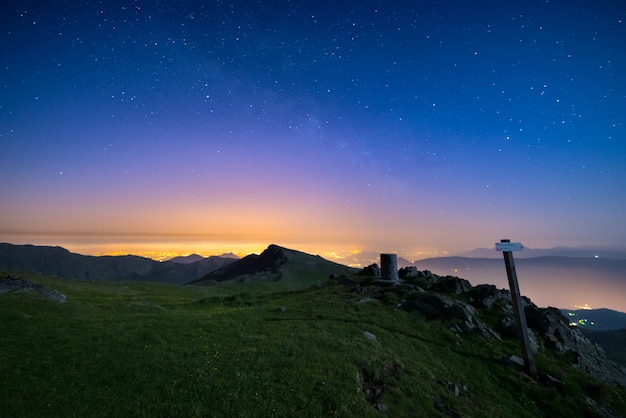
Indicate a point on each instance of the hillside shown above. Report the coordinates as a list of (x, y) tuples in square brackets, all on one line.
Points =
[(59, 262), (430, 347), (292, 269)]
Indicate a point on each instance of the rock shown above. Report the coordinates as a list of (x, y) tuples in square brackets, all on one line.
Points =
[(11, 284), (381, 407), (369, 336), (545, 377), (514, 361), (408, 272), (373, 270), (432, 306), (436, 306), (508, 326), (559, 336), (55, 295), (407, 290), (490, 297), (533, 340), (454, 388), (452, 284), (425, 279), (423, 292)]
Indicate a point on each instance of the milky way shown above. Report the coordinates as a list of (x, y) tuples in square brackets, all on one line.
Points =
[(392, 126)]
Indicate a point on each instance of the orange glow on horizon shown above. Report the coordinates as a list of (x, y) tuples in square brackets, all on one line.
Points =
[(162, 248)]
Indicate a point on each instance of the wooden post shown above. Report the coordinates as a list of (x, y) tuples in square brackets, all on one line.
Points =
[(520, 316)]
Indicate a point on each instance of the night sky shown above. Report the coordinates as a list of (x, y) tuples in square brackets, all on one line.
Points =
[(422, 128)]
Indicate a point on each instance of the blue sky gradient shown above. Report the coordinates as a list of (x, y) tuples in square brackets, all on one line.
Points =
[(410, 127)]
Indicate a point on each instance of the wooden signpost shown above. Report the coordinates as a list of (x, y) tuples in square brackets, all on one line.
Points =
[(507, 247)]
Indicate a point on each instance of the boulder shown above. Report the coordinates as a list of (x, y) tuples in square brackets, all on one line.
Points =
[(408, 272), (373, 270), (490, 297), (452, 284)]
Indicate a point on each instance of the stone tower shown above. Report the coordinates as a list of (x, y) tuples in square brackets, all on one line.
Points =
[(389, 267)]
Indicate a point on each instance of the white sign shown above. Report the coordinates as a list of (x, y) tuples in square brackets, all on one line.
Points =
[(509, 246)]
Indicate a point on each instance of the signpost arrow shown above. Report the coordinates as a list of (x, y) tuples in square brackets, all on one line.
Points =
[(506, 246), (509, 246)]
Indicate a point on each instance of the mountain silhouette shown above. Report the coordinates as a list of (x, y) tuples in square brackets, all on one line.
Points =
[(188, 259), (597, 319), (277, 263), (59, 262)]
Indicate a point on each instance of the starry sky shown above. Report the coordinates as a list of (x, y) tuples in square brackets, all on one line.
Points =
[(421, 128)]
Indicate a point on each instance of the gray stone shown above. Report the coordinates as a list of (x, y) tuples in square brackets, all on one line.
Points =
[(490, 297), (370, 271), (381, 407), (55, 295), (452, 284), (12, 284), (514, 360), (369, 336), (408, 272), (454, 388)]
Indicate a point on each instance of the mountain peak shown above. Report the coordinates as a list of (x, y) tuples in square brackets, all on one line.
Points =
[(274, 250), (186, 259), (275, 263)]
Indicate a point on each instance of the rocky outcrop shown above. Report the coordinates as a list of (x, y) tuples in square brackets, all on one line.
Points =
[(429, 281), (584, 354), (453, 299), (15, 284), (437, 306), (373, 270)]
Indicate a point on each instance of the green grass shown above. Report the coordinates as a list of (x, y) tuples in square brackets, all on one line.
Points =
[(154, 350)]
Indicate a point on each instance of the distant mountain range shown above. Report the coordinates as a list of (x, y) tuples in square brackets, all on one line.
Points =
[(57, 261), (617, 252), (189, 259), (275, 263), (596, 319), (564, 282)]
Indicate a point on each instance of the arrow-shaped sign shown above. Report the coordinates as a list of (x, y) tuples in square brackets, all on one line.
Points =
[(509, 246)]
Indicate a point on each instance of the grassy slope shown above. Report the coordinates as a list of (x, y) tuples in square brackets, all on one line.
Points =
[(146, 349)]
